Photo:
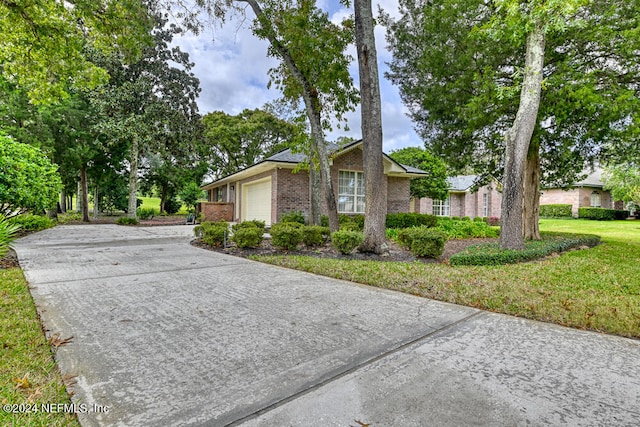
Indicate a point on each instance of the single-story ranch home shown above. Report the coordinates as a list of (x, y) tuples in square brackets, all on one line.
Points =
[(275, 186), (466, 200)]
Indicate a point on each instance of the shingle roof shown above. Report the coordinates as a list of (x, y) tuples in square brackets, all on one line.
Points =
[(594, 179), (461, 182)]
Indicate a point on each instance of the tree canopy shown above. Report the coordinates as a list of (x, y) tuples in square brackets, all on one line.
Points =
[(435, 186)]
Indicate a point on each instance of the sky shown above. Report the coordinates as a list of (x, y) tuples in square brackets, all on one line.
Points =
[(232, 66)]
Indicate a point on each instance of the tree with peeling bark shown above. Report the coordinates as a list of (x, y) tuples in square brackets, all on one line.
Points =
[(463, 88), (375, 182)]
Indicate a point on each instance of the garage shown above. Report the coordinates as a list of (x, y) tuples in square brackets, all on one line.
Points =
[(256, 201)]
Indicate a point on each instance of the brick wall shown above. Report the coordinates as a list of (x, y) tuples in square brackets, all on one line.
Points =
[(397, 194), (216, 211), (292, 192)]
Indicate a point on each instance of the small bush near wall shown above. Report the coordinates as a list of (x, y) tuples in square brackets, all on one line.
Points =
[(556, 211), (32, 222), (601, 214), (346, 241), (423, 241), (466, 229), (212, 233), (296, 216), (286, 235), (315, 235), (406, 220), (248, 234)]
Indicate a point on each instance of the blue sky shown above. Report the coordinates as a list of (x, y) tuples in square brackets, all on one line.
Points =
[(232, 66)]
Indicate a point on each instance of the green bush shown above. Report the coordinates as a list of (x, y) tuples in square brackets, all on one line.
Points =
[(212, 233), (125, 220), (465, 218), (466, 229), (172, 205), (32, 222), (286, 235), (295, 216), (147, 213), (351, 222), (8, 232), (479, 219), (455, 218), (248, 237), (406, 220), (423, 241), (315, 235), (324, 221), (492, 254), (556, 211), (601, 214), (249, 224), (69, 216), (346, 241)]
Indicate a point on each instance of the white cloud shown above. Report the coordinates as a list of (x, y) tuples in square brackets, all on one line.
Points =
[(233, 71)]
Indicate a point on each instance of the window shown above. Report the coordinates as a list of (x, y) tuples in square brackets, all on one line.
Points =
[(485, 204), (217, 195), (350, 192), (441, 207), (595, 200)]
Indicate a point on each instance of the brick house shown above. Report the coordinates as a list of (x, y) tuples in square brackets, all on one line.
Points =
[(589, 192), (273, 187), (464, 199)]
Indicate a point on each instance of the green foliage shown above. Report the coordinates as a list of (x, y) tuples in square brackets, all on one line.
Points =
[(190, 195), (147, 213), (212, 233), (492, 254), (423, 241), (435, 185), (125, 220), (556, 211), (315, 235), (324, 221), (460, 229), (346, 241), (406, 220), (465, 218), (493, 221), (295, 216), (479, 219), (28, 180), (172, 205), (33, 222), (351, 222), (602, 214), (247, 224), (69, 216), (624, 181), (286, 235), (8, 232), (247, 234)]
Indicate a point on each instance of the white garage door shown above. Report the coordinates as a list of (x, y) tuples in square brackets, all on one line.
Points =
[(256, 200)]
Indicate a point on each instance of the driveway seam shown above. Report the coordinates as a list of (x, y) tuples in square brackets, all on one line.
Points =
[(349, 371)]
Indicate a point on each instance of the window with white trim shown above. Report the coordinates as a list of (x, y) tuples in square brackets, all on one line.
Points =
[(485, 204), (595, 200), (441, 207), (350, 192)]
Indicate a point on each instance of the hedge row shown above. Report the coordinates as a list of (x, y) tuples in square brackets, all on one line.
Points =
[(492, 254), (556, 211), (601, 214), (466, 229)]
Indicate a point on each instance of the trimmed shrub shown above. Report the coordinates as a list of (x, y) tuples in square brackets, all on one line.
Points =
[(248, 236), (455, 218), (466, 229), (8, 232), (465, 218), (125, 220), (32, 222), (406, 220), (492, 254), (147, 213), (346, 241), (249, 224), (295, 216), (601, 214), (314, 235), (479, 219), (351, 222), (556, 211), (286, 235), (423, 241), (212, 233)]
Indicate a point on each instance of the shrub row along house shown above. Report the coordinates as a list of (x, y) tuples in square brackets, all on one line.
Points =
[(275, 186)]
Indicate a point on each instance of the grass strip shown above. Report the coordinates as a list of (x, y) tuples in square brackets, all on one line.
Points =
[(28, 373)]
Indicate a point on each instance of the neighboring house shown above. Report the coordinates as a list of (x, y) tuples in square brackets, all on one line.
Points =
[(587, 193), (464, 200), (273, 187)]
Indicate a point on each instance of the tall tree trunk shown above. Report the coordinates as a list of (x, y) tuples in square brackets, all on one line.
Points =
[(133, 179), (96, 207), (518, 138), (63, 201), (531, 206), (371, 110), (315, 195), (84, 191), (313, 110), (79, 196), (163, 198)]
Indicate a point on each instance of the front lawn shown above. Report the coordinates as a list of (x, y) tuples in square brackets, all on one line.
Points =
[(597, 288), (29, 376)]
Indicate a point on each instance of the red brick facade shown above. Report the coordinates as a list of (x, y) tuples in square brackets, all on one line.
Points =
[(577, 197), (216, 211), (485, 202)]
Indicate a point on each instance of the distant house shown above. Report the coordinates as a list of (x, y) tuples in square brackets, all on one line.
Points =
[(273, 187), (464, 199), (589, 192)]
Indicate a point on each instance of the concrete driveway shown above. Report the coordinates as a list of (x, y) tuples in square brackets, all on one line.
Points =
[(165, 334)]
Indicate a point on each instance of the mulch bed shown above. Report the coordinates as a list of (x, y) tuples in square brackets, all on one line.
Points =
[(10, 260), (396, 253)]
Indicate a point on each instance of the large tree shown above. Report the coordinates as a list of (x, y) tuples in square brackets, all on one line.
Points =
[(624, 181), (41, 41), (463, 88), (435, 185)]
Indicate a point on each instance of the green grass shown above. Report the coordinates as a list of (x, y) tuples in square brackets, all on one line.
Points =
[(28, 373), (154, 202), (596, 289)]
